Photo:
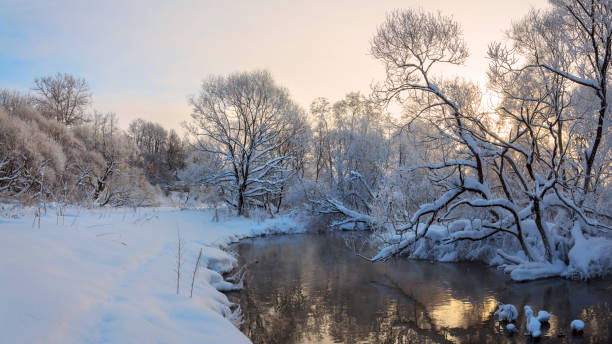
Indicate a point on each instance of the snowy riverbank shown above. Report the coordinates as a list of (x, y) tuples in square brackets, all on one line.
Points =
[(108, 275)]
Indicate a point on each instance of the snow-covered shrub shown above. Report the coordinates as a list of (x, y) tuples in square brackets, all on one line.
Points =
[(43, 160), (30, 157)]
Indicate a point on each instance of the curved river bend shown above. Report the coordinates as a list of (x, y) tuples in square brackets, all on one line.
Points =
[(313, 289)]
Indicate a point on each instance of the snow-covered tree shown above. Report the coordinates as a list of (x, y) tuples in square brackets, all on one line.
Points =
[(42, 157), (351, 155), (250, 124), (46, 158), (118, 182), (512, 172)]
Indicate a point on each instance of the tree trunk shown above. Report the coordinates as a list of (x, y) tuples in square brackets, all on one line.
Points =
[(541, 228)]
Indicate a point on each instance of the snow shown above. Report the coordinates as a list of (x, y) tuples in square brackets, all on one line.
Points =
[(589, 256), (452, 163), (543, 316), (529, 271), (511, 327), (506, 312), (107, 275), (577, 325), (574, 78), (532, 325)]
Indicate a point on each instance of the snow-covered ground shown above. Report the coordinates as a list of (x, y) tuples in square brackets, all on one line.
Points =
[(109, 276)]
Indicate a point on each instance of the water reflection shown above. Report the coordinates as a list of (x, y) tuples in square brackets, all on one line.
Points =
[(313, 289)]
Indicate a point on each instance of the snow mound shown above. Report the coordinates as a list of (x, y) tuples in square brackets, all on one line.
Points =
[(582, 256), (506, 312), (532, 327), (543, 316), (577, 325), (589, 257)]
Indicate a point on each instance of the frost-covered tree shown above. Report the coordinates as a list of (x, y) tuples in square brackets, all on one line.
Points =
[(513, 174), (11, 100), (62, 97), (569, 50), (27, 153), (43, 159), (320, 112), (249, 124), (354, 160), (118, 182)]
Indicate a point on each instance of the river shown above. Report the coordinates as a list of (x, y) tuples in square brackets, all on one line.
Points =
[(312, 288)]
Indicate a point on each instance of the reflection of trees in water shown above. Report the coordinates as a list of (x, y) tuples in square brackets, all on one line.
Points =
[(292, 317), (310, 291), (338, 303), (599, 321), (278, 322)]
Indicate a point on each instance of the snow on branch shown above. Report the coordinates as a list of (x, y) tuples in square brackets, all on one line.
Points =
[(578, 80)]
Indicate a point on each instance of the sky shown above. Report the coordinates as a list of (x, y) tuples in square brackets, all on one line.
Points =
[(143, 59)]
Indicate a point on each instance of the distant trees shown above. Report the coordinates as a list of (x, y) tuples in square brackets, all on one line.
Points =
[(250, 126), (12, 100), (62, 97), (148, 136), (175, 152), (162, 153), (351, 151), (117, 181), (53, 147)]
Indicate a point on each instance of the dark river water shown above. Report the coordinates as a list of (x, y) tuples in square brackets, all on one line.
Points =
[(313, 289)]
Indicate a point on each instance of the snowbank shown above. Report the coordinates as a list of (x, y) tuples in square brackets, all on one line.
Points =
[(108, 275), (588, 257)]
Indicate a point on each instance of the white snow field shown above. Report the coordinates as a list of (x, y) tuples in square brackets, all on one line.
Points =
[(109, 276)]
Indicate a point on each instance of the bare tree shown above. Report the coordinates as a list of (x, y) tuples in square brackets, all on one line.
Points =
[(12, 100), (243, 120), (175, 152), (320, 110), (62, 97), (149, 137)]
